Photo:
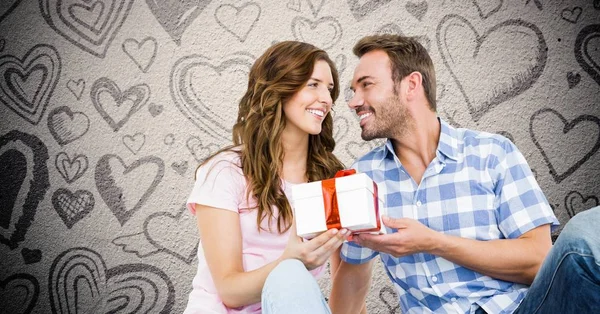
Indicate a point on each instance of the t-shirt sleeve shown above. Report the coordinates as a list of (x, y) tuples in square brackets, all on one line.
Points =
[(219, 183), (522, 205)]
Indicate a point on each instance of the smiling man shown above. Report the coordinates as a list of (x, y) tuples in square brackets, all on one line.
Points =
[(468, 225)]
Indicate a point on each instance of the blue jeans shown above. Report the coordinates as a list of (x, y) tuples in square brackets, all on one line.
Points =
[(569, 279), (291, 289)]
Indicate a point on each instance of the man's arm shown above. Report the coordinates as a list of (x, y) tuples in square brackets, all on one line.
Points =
[(516, 260), (351, 283)]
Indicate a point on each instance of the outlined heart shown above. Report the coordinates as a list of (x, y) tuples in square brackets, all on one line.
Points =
[(199, 150), (180, 167), (117, 107), (28, 83), (23, 171), (487, 8), (553, 135), (176, 15), (389, 297), (238, 21), (468, 55), (325, 32), (341, 126), (588, 40), (134, 143), (207, 92), (71, 169), (178, 241), (358, 149), (576, 203), (67, 126), (80, 282), (72, 207), (76, 87), (573, 79), (361, 8), (142, 53), (571, 15), (89, 26), (124, 201), (19, 293)]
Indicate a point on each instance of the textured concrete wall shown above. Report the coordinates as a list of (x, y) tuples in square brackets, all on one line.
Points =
[(108, 106)]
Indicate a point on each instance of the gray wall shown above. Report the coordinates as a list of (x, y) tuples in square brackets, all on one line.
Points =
[(108, 106)]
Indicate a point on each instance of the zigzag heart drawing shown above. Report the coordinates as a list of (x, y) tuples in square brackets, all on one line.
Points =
[(89, 25), (80, 282)]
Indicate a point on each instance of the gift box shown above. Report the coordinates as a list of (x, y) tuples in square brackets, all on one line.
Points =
[(348, 201)]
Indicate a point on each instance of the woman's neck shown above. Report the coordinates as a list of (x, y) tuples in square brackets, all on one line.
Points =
[(295, 155)]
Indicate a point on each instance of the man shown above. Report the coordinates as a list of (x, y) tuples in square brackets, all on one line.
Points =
[(468, 225)]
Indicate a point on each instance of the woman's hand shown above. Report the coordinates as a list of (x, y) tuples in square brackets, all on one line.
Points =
[(315, 252)]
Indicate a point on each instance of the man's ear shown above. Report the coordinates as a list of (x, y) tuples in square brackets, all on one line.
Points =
[(414, 84)]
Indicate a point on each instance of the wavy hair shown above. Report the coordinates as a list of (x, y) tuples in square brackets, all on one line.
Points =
[(274, 79)]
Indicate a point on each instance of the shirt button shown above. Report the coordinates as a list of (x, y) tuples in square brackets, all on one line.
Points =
[(434, 279), (419, 203), (453, 299)]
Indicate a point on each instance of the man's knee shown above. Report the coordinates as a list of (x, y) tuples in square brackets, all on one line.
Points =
[(583, 226)]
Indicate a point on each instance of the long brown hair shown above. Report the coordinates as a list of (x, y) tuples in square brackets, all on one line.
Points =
[(273, 80)]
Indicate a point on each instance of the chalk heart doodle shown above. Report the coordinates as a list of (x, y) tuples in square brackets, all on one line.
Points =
[(89, 25), (575, 203), (315, 6), (117, 107), (27, 84), (587, 46), (134, 143), (199, 150), (76, 87), (487, 8), (71, 169), (325, 32), (417, 9), (142, 53), (238, 21), (340, 63), (357, 149), (173, 234), (554, 135), (72, 207), (23, 184), (571, 15), (80, 282), (389, 297), (478, 62), (573, 79), (207, 92), (176, 15), (361, 8), (6, 8), (19, 293), (341, 126), (180, 167), (31, 256), (67, 126), (112, 172)]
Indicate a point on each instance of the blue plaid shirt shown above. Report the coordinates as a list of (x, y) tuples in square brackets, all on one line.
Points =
[(480, 187)]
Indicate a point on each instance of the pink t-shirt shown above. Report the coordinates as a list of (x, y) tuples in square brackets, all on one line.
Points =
[(220, 183)]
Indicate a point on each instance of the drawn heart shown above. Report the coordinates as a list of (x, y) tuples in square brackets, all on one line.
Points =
[(315, 6), (31, 256), (176, 15), (573, 79), (469, 55), (340, 128), (487, 8), (27, 84), (155, 109), (76, 87), (587, 46), (199, 150), (72, 207), (111, 172), (89, 25), (141, 53), (117, 107), (23, 174), (340, 64), (79, 282), (7, 7), (294, 5), (19, 293), (571, 15), (238, 21), (356, 149), (67, 126), (208, 92), (177, 240), (389, 297), (417, 10), (71, 169), (554, 135), (180, 167), (361, 8), (576, 203), (134, 143), (325, 32)]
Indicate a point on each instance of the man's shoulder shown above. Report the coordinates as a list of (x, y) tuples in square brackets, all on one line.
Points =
[(375, 154), (482, 141)]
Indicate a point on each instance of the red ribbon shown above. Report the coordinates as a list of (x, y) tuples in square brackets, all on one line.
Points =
[(332, 212)]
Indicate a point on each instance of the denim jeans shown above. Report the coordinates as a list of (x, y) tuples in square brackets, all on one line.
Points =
[(291, 289)]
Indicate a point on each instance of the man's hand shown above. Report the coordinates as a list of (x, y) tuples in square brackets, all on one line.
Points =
[(411, 237)]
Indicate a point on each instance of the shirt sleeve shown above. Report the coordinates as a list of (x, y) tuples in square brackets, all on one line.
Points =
[(352, 252), (522, 205), (219, 183)]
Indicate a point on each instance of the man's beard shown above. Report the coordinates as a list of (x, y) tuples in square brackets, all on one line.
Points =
[(391, 120)]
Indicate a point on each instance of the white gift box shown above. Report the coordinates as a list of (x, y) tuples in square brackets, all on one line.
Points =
[(356, 200)]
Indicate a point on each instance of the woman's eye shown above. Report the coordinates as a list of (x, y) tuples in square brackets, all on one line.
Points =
[(313, 84)]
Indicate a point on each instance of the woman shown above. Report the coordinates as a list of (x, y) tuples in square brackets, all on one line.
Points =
[(283, 136)]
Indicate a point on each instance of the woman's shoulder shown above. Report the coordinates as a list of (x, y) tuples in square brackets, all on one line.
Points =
[(229, 159)]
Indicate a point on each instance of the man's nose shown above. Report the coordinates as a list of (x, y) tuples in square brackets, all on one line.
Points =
[(356, 101)]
